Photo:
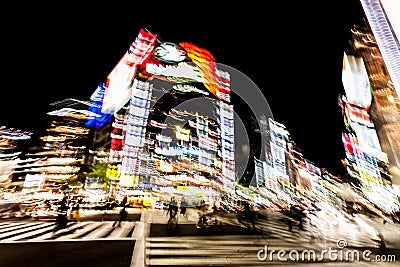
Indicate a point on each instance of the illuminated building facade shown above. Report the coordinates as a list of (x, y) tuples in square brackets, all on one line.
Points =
[(158, 139), (272, 173), (363, 151), (12, 142), (284, 167), (286, 174), (55, 157), (375, 49), (370, 105)]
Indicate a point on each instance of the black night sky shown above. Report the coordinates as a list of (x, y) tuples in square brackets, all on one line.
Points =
[(292, 51)]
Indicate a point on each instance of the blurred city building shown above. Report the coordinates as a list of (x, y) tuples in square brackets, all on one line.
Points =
[(370, 105), (12, 145), (58, 155), (157, 140), (143, 125), (371, 78), (285, 176)]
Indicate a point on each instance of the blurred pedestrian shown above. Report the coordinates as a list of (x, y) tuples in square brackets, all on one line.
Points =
[(297, 213), (248, 215), (173, 212), (76, 213), (62, 215), (172, 208), (204, 215), (123, 214), (124, 201), (184, 205)]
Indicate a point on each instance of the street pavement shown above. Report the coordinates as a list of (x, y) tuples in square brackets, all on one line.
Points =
[(91, 225), (146, 233), (235, 245)]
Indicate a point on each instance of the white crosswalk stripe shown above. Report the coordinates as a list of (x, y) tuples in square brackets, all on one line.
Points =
[(121, 231), (103, 230), (271, 227), (13, 231), (29, 231), (201, 250)]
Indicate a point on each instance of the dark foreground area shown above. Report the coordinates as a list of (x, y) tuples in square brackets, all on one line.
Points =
[(161, 230), (108, 253)]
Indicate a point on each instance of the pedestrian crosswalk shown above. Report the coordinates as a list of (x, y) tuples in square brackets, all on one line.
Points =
[(14, 231), (229, 250), (202, 250), (271, 227), (233, 245), (264, 247), (245, 250), (225, 249)]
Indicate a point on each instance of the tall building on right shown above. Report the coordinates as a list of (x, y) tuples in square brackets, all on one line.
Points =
[(371, 106)]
